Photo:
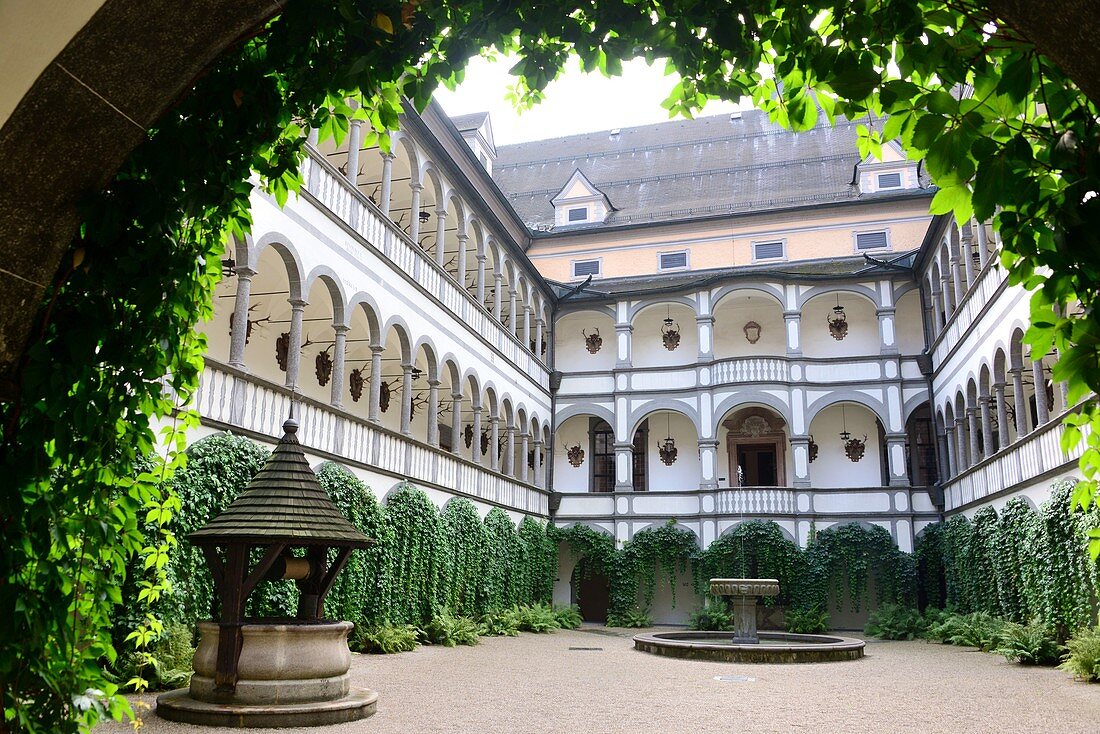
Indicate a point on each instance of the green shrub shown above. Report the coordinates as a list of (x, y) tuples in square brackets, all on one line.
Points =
[(807, 621), (1083, 659), (537, 618), (568, 617), (633, 618), (712, 617), (1030, 644), (980, 630), (504, 623), (449, 631), (166, 665), (894, 622), (385, 639)]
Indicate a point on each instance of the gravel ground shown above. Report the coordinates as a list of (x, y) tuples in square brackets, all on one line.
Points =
[(536, 683)]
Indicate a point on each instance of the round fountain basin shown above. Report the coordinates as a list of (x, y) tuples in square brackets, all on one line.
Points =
[(744, 587), (773, 647)]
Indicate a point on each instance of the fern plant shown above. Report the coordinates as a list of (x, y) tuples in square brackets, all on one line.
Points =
[(807, 621), (980, 630), (537, 618), (1030, 644), (712, 617), (385, 639), (450, 631), (504, 623), (632, 618), (895, 622), (1083, 659), (568, 617)]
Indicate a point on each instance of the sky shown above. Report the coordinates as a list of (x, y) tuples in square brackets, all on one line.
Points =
[(575, 102)]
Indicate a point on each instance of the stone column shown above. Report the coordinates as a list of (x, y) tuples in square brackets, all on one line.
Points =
[(406, 399), (494, 443), (983, 243), (414, 210), (1042, 410), (481, 280), (387, 183), (513, 318), (624, 335), (239, 338), (475, 443), (509, 451), (943, 457), (937, 316), (339, 353), (952, 448), (987, 425), (624, 467), (456, 423), (895, 453), (498, 283), (440, 233), (433, 413), (538, 337), (800, 454), (956, 278), (355, 142), (461, 262), (374, 405), (1002, 414), (965, 245), (961, 451), (294, 353), (708, 463), (793, 322), (975, 452), (704, 325), (887, 337), (527, 326), (945, 291), (524, 438), (1019, 402), (539, 477)]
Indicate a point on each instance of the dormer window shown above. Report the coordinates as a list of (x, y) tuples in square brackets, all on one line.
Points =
[(578, 214), (580, 202), (889, 180)]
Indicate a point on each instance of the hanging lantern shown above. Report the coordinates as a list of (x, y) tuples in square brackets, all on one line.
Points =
[(323, 365), (282, 350), (424, 216), (667, 448), (468, 435), (838, 321), (355, 384), (593, 341), (575, 454), (752, 332), (812, 449), (384, 397), (670, 333), (854, 448)]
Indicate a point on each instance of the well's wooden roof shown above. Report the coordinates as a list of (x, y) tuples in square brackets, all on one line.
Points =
[(284, 503)]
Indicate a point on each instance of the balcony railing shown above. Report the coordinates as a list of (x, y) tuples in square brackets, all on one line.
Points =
[(985, 287), (237, 400), (1029, 458), (329, 188)]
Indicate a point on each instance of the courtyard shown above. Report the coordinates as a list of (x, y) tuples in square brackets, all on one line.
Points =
[(592, 680)]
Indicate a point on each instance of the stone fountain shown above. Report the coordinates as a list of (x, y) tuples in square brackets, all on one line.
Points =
[(743, 594), (748, 645)]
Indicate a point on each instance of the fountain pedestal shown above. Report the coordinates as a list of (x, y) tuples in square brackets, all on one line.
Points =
[(743, 594)]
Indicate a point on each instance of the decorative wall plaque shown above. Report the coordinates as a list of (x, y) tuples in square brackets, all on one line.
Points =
[(575, 454), (324, 368)]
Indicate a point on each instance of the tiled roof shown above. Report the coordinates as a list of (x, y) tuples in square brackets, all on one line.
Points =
[(472, 121), (283, 503), (685, 169)]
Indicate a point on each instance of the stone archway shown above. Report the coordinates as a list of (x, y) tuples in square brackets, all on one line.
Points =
[(756, 444)]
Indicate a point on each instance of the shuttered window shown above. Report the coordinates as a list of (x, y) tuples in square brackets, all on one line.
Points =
[(767, 250), (584, 268), (673, 260), (889, 180), (579, 214), (871, 241)]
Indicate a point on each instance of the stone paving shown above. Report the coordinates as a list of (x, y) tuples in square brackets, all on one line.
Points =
[(592, 680)]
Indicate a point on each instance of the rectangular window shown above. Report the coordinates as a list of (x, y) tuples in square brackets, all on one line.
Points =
[(603, 456), (579, 214), (584, 268), (673, 260), (871, 241), (767, 251), (889, 180)]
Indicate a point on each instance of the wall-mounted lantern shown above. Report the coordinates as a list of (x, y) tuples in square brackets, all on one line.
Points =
[(424, 216), (593, 341), (575, 454), (813, 448), (667, 448), (670, 332), (838, 321), (323, 365), (229, 268), (752, 332), (854, 448)]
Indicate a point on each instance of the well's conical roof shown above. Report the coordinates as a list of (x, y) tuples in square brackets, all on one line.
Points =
[(284, 502)]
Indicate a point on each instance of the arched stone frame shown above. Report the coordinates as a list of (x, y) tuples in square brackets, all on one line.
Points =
[(848, 396), (923, 464), (574, 427), (323, 332), (773, 290), (747, 398), (647, 326), (287, 251), (855, 289), (406, 159), (948, 287), (649, 424), (571, 307), (334, 283), (360, 350), (641, 305), (777, 436), (639, 527), (950, 438), (1003, 388), (570, 410), (391, 372), (450, 418), (987, 413), (965, 460), (491, 250), (656, 405), (433, 197), (475, 249), (731, 313)]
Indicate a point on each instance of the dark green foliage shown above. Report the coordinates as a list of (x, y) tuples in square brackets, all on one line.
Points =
[(568, 617), (414, 525), (756, 549), (167, 663), (668, 548), (1083, 658), (361, 592), (464, 544), (505, 573), (714, 616), (1030, 644), (542, 560), (449, 631), (631, 618), (807, 621), (1015, 570), (537, 618), (978, 629), (928, 555), (894, 622), (501, 623), (983, 552), (385, 639), (957, 562), (841, 559)]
